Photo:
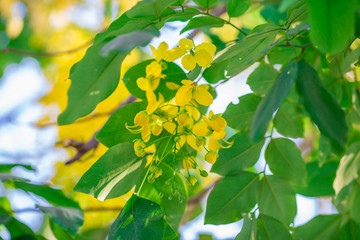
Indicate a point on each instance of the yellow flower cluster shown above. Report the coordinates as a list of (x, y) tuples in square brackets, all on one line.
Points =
[(179, 120)]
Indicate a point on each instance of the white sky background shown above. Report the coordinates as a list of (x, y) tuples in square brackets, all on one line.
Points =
[(24, 83)]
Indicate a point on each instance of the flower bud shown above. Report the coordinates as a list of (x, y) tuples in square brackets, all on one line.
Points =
[(156, 128), (183, 117), (204, 173), (140, 151), (142, 119), (200, 141), (158, 173), (211, 157), (192, 180), (139, 142), (189, 163)]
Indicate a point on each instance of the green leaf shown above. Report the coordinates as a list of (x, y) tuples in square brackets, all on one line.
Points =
[(216, 72), (205, 3), (168, 190), (162, 5), (173, 74), (288, 122), (237, 8), (277, 199), (349, 231), (114, 130), (141, 219), (150, 10), (321, 105), (332, 24), (262, 78), (126, 42), (95, 77), (353, 203), (297, 13), (53, 196), (248, 229), (19, 230), (113, 175), (279, 91), (284, 159), (234, 195), (193, 74), (6, 168), (349, 167), (282, 55), (271, 229), (203, 21), (319, 180), (249, 50), (69, 218), (320, 227), (59, 232), (242, 155), (239, 116)]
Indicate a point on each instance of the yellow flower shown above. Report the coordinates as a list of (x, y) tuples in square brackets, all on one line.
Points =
[(156, 127), (153, 76), (184, 118), (211, 157), (201, 54), (153, 103), (141, 118), (190, 91), (160, 52)]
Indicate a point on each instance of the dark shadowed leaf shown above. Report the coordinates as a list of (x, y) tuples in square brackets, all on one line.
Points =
[(141, 219), (321, 105), (279, 91)]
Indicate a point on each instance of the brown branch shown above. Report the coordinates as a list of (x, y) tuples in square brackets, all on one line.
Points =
[(46, 54), (84, 147)]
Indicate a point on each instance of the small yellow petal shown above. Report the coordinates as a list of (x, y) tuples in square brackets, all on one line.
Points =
[(218, 135), (206, 46), (145, 133), (201, 129), (191, 140), (153, 69), (183, 95), (218, 123), (188, 62), (211, 157), (203, 58), (186, 44), (152, 103), (170, 127), (172, 86), (202, 96), (160, 52), (155, 83), (174, 54), (142, 119), (213, 145), (143, 84), (187, 82)]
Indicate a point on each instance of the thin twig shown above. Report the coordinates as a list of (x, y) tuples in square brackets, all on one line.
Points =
[(47, 54)]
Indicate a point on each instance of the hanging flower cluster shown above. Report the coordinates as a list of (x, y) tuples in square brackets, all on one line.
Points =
[(178, 121)]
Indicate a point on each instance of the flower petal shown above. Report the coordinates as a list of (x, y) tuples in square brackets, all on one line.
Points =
[(202, 96), (183, 95), (209, 47), (174, 54), (203, 58), (143, 84), (201, 129), (160, 52), (186, 44), (188, 62)]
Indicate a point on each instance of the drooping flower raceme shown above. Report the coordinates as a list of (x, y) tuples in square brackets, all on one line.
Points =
[(175, 125)]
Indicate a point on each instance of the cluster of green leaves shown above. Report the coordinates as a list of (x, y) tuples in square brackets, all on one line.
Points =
[(311, 47), (63, 214)]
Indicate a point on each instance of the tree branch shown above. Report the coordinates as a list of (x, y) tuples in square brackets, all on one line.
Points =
[(46, 54)]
